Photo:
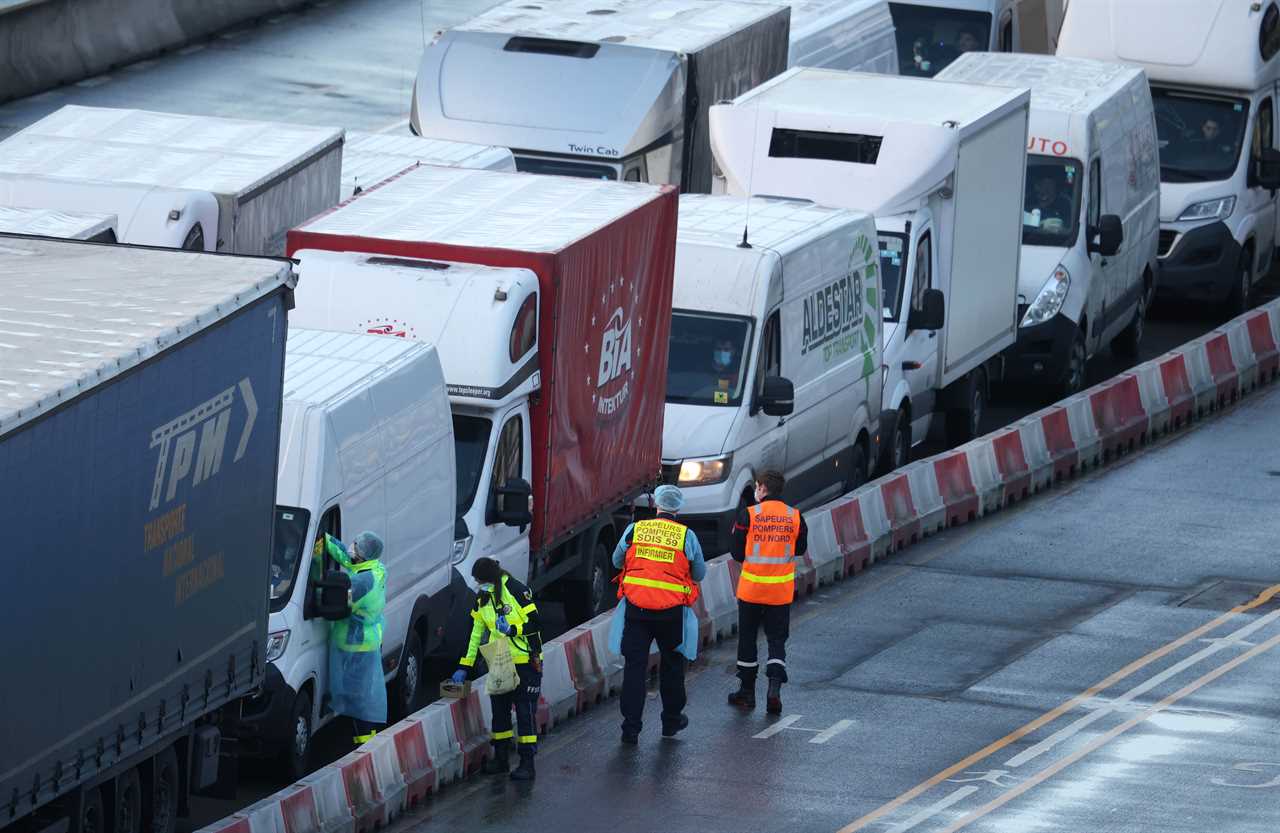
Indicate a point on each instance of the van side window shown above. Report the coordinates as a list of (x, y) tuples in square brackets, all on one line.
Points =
[(770, 351), (330, 524), (1264, 128), (1095, 194), (524, 333), (508, 458), (924, 270), (1269, 34)]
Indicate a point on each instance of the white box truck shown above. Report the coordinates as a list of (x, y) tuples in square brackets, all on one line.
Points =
[(1215, 74), (49, 222), (365, 445), (774, 358), (1092, 215), (933, 33), (370, 158), (843, 34), (941, 166), (189, 182), (605, 89)]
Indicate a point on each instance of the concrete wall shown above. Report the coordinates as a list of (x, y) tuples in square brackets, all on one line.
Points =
[(48, 43)]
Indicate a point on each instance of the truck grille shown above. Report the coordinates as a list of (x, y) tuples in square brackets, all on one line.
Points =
[(1167, 238), (670, 473)]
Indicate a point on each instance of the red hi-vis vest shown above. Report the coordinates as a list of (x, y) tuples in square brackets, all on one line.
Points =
[(655, 575), (769, 569)]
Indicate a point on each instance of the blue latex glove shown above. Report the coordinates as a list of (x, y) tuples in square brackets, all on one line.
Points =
[(504, 626), (459, 676)]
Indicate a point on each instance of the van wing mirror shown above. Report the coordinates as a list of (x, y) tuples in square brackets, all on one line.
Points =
[(1107, 237), (331, 597), (777, 396), (1266, 170), (513, 503), (932, 313)]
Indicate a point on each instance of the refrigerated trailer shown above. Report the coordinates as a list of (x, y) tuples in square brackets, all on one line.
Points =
[(370, 158), (48, 222), (139, 425)]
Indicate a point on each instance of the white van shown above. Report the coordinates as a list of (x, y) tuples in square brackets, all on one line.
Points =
[(933, 33), (1214, 68), (843, 34), (370, 158), (774, 358), (1092, 218), (365, 444)]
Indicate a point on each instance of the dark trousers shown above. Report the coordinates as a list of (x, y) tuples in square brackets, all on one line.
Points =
[(776, 620), (640, 629), (363, 729), (524, 699)]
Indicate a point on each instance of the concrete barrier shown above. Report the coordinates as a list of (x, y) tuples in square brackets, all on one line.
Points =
[(54, 42), (448, 740)]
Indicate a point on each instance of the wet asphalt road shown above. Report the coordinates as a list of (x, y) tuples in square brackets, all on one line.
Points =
[(1071, 665)]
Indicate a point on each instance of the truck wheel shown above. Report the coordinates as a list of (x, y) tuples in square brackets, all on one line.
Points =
[(296, 757), (1239, 300), (163, 809), (857, 468), (963, 424), (897, 452), (92, 814), (589, 598), (1129, 342), (128, 803), (1073, 375), (408, 685)]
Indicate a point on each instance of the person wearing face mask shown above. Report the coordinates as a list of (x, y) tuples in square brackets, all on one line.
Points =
[(504, 605), (766, 539)]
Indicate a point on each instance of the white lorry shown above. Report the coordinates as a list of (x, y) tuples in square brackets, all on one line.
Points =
[(605, 89), (843, 34), (49, 222), (364, 438), (933, 33), (1092, 214), (941, 166), (774, 358), (189, 182), (370, 158), (1214, 68)]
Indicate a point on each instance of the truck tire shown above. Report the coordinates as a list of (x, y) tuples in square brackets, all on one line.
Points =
[(92, 815), (162, 809), (295, 758), (128, 805), (587, 599), (1073, 375), (407, 690), (857, 468), (897, 452), (1129, 342), (965, 423), (1239, 300)]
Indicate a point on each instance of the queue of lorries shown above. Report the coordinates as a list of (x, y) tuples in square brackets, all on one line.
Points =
[(495, 337)]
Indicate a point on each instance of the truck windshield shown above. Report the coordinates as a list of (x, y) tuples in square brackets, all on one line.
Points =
[(1200, 136), (930, 38), (565, 167), (893, 254), (470, 442), (705, 358), (289, 543), (1051, 215)]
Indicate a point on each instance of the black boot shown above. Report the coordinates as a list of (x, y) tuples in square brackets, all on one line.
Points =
[(745, 696), (525, 771), (500, 762), (773, 703)]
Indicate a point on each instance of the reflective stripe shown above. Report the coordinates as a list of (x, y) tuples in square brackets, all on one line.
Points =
[(655, 583), (528, 739), (365, 738), (742, 664), (768, 579), (529, 608), (503, 735), (768, 559), (781, 662)]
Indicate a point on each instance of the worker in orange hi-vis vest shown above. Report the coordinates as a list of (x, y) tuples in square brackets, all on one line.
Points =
[(767, 540)]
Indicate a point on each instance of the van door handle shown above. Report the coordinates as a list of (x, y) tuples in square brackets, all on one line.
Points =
[(933, 334), (782, 421)]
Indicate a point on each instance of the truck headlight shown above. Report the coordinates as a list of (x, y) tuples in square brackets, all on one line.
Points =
[(1049, 302), (704, 472), (460, 549), (1219, 209), (277, 641)]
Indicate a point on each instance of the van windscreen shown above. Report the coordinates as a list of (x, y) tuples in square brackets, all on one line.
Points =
[(707, 358), (859, 148)]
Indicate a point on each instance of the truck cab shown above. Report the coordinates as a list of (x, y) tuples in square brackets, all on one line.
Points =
[(933, 33), (1214, 69)]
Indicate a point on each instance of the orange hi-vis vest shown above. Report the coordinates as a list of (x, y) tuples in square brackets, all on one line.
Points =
[(769, 570), (655, 575)]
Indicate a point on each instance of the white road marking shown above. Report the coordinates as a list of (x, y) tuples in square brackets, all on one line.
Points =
[(781, 725), (1138, 690), (819, 735), (830, 732), (960, 794)]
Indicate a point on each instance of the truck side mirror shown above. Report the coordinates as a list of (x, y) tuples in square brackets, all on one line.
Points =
[(1107, 237), (777, 396), (932, 313), (513, 502), (331, 596), (1266, 170)]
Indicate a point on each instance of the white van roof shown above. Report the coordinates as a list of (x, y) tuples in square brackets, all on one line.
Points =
[(1203, 43), (370, 158), (459, 207), (680, 26), (79, 314), (50, 222), (326, 368), (1060, 85), (221, 156)]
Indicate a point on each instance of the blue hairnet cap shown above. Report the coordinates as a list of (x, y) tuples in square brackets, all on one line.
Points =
[(668, 498), (370, 546)]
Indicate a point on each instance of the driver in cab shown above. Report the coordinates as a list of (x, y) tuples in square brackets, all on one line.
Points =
[(1048, 207)]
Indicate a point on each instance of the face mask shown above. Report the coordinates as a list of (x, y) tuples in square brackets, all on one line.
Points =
[(486, 587), (723, 357)]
